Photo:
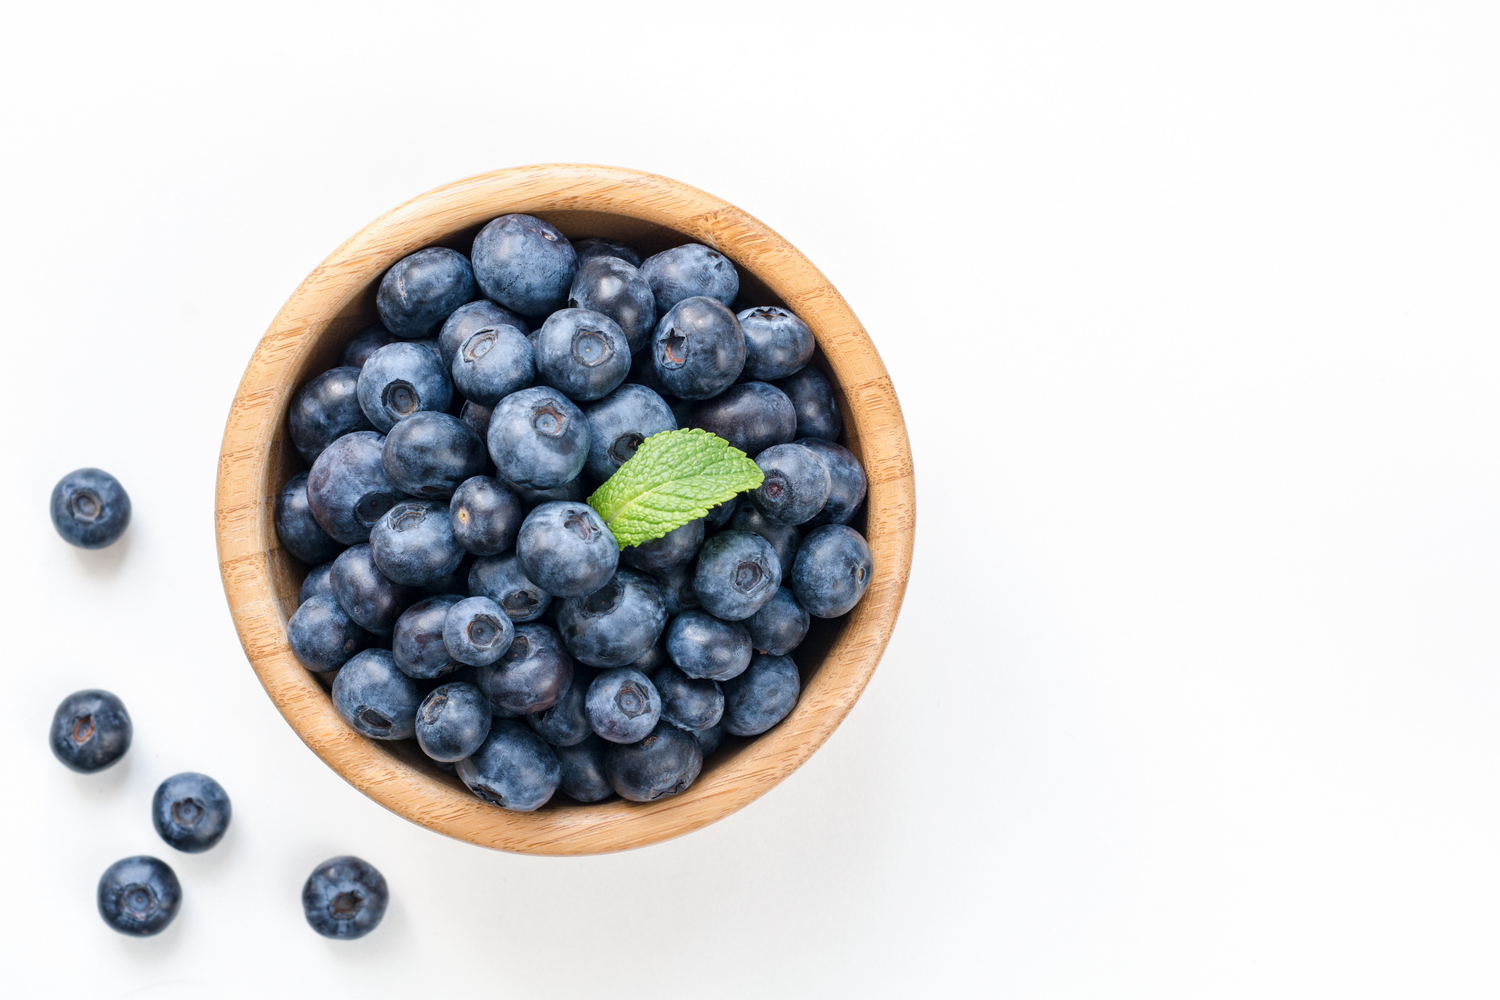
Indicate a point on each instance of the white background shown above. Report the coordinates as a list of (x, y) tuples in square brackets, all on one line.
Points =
[(1192, 311)]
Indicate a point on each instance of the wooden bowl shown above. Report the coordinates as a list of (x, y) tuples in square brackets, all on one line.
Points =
[(338, 299)]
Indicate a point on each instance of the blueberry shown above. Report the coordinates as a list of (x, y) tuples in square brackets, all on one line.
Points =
[(737, 573), (348, 489), (417, 646), (492, 363), (486, 515), (812, 397), (421, 289), (324, 410), (622, 705), (654, 658), (319, 580), (698, 349), (532, 675), (469, 319), (344, 898), (513, 769), (846, 478), (375, 698), (615, 625), (687, 271), (752, 416), (370, 340), (783, 537), (719, 515), (832, 570), (322, 635), (428, 454), (688, 702), (709, 738), (780, 626), (618, 424), (90, 731), (502, 580), (538, 438), (582, 354), (796, 483), (617, 289), (762, 696), (90, 508), (190, 811), (413, 543), (708, 648), (643, 372), (664, 763), (368, 596), (399, 380), (139, 896), (661, 554), (565, 723), (777, 343), (677, 588), (571, 491), (524, 264), (477, 631), (452, 721), (297, 529), (455, 583), (598, 246), (476, 418), (566, 549), (582, 763)]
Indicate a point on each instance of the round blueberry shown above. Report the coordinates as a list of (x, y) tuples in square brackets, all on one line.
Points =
[(761, 696), (661, 554), (344, 898), (812, 397), (139, 896), (413, 543), (504, 581), (688, 702), (324, 410), (538, 438), (847, 482), (666, 762), (401, 379), (708, 739), (370, 340), (421, 289), (598, 246), (452, 721), (582, 764), (485, 516), (615, 625), (783, 537), (297, 529), (524, 264), (623, 705), (565, 723), (618, 424), (477, 631), (780, 626), (492, 363), (322, 635), (654, 658), (687, 271), (417, 645), (367, 595), (698, 349), (706, 647), (531, 676), (90, 508), (375, 698), (796, 483), (832, 570), (469, 319), (348, 489), (777, 343), (566, 549), (428, 454), (571, 491), (617, 289), (677, 588), (319, 580), (514, 768), (737, 572), (752, 416), (582, 354), (90, 731), (190, 811)]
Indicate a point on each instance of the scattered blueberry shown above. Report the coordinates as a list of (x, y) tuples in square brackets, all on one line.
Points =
[(663, 763), (348, 489), (847, 482), (90, 731), (622, 705), (428, 454), (531, 676), (368, 596), (538, 438), (401, 379), (688, 702), (598, 246), (477, 631), (190, 811), (566, 549), (413, 544), (421, 289), (582, 763), (565, 723), (677, 588), (812, 397), (524, 264), (615, 625), (698, 349), (706, 647), (687, 271), (322, 635), (832, 570), (761, 696), (452, 721), (297, 529), (324, 410), (492, 363), (514, 768), (375, 698), (344, 898), (783, 537), (319, 580), (617, 289), (504, 581), (90, 508), (485, 516), (418, 645), (752, 416), (777, 343), (780, 626), (710, 738), (581, 353), (139, 896), (618, 424), (469, 319), (796, 484), (719, 514), (661, 554), (372, 339), (737, 572)]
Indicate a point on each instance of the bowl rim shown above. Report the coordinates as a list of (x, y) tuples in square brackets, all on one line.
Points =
[(249, 554)]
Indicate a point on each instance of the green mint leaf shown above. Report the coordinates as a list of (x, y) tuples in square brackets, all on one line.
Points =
[(673, 478)]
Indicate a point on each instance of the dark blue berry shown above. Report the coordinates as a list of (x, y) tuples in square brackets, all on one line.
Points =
[(710, 738), (344, 898), (688, 702), (476, 418), (812, 397), (297, 529), (698, 349), (469, 319), (654, 658), (737, 572), (417, 645), (524, 264), (90, 731), (139, 896), (322, 635), (455, 583), (582, 763), (571, 491), (617, 289), (706, 647), (783, 537), (485, 515), (348, 489), (664, 763), (581, 353), (375, 698), (687, 271), (538, 438), (752, 416), (780, 626), (847, 482), (428, 454), (622, 705), (324, 410), (452, 721), (761, 696), (597, 246), (618, 424), (421, 289), (504, 581), (477, 631), (661, 554), (719, 514), (677, 588), (531, 676), (370, 340), (832, 570), (565, 723), (566, 549), (190, 811), (413, 543), (777, 343), (643, 372), (90, 508), (615, 625), (796, 483), (401, 379), (492, 363), (367, 595), (319, 580), (513, 769)]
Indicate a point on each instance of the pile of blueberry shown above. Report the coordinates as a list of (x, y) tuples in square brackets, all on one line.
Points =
[(461, 592)]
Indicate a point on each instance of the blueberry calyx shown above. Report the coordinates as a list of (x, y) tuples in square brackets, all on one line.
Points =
[(520, 602), (374, 719), (139, 900), (400, 398), (548, 420), (409, 518), (774, 486), (483, 631), (344, 905), (83, 729), (579, 523), (187, 812), (372, 507), (480, 343), (674, 349), (625, 446), (747, 576), (591, 348), (86, 506), (632, 701), (602, 601), (432, 707)]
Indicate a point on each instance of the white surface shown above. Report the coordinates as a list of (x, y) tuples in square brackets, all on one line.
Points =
[(1193, 317)]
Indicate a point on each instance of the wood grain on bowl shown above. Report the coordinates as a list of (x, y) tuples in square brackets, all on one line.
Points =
[(337, 300)]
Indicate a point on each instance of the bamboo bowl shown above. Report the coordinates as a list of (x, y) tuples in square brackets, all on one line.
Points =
[(338, 299)]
